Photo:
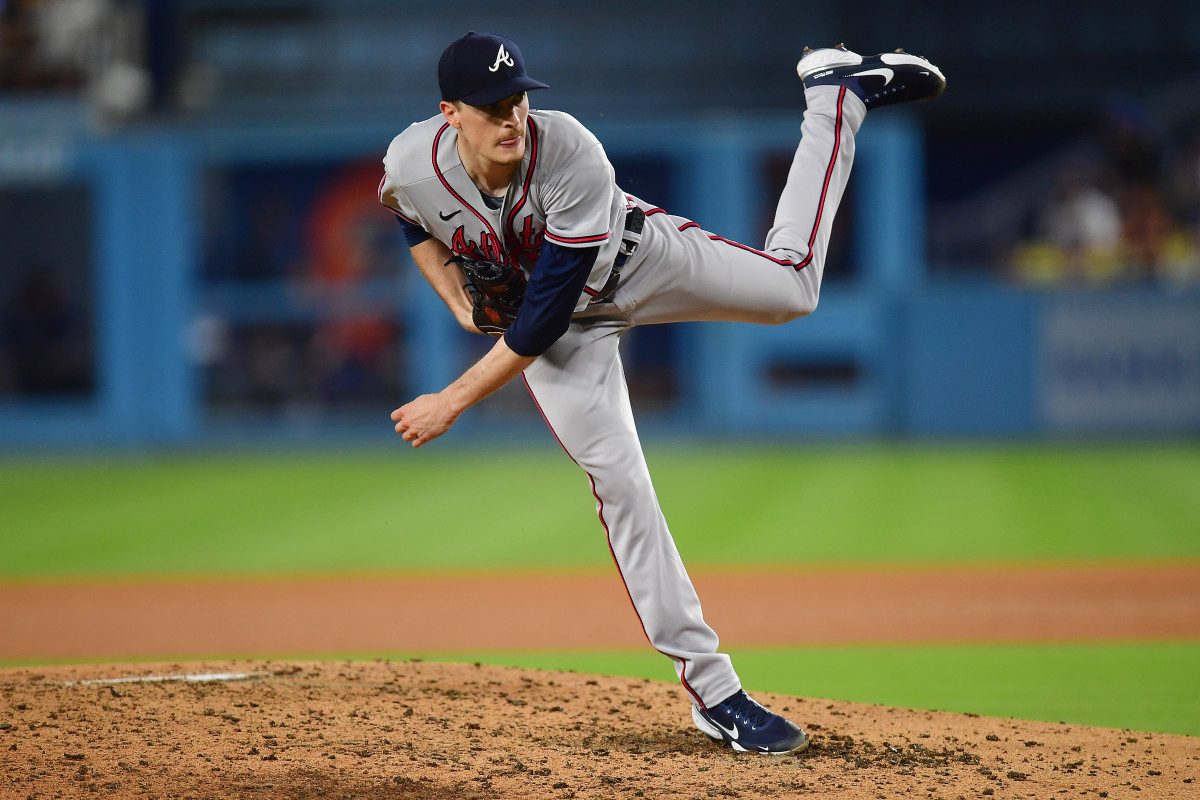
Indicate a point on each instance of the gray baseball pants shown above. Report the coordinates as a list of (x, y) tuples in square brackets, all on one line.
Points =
[(682, 273)]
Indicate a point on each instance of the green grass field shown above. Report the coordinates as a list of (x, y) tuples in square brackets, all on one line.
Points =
[(426, 510), (1144, 686), (423, 510)]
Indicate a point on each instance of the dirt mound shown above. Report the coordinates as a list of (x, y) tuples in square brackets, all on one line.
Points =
[(422, 730)]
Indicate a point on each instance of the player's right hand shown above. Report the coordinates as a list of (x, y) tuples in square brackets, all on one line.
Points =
[(424, 419)]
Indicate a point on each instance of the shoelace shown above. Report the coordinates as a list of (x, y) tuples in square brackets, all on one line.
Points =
[(743, 706)]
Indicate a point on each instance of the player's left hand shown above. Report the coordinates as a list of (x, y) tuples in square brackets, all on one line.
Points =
[(424, 419)]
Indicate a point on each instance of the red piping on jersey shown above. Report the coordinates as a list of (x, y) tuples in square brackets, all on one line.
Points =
[(450, 189), (533, 144), (600, 237), (782, 261), (837, 143), (608, 540), (406, 219), (715, 238)]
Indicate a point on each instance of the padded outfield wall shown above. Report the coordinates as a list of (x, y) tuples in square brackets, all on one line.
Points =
[(187, 259)]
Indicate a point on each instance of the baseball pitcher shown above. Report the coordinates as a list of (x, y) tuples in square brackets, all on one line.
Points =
[(515, 218)]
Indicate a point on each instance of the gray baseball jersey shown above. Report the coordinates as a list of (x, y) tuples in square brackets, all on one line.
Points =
[(564, 191)]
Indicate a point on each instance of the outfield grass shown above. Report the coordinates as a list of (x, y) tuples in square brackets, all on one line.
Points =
[(1145, 686), (420, 510), (439, 510)]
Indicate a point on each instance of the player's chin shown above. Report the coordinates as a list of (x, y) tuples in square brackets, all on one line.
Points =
[(510, 152)]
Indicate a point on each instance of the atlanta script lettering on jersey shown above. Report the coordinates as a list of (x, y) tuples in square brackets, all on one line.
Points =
[(522, 249)]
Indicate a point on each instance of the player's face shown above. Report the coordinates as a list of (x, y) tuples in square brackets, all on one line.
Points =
[(494, 133)]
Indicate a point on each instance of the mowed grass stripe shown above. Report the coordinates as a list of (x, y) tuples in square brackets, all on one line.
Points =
[(1143, 686), (446, 510)]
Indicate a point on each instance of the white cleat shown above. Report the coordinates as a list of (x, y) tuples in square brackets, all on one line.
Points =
[(814, 61), (878, 80)]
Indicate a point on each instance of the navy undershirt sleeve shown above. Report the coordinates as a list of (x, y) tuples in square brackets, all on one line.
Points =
[(413, 234), (554, 288)]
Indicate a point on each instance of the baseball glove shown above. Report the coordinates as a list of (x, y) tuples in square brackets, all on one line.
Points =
[(496, 292)]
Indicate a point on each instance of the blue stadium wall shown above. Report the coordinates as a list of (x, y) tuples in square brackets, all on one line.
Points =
[(889, 352)]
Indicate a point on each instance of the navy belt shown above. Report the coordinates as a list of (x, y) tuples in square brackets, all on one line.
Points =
[(635, 220)]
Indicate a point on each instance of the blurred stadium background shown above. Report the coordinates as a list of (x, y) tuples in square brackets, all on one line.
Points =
[(192, 259), (192, 249)]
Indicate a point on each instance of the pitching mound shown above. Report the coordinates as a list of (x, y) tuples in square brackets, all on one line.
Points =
[(420, 730)]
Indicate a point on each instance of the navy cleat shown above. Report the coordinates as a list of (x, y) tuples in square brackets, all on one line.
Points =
[(748, 727), (877, 80)]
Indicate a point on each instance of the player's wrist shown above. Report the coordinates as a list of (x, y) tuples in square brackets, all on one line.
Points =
[(466, 320), (449, 400), (457, 398)]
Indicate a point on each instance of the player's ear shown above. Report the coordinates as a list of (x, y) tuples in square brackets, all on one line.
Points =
[(450, 112)]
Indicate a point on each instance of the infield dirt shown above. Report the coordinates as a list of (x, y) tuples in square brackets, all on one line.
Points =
[(433, 731), (154, 620)]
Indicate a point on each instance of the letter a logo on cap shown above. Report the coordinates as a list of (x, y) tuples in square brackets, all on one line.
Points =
[(502, 57)]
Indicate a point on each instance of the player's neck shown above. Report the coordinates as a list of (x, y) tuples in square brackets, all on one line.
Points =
[(489, 176)]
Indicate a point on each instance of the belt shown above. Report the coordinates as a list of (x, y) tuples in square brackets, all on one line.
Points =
[(635, 219)]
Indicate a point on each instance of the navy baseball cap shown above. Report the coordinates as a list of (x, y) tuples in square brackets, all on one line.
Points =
[(483, 68)]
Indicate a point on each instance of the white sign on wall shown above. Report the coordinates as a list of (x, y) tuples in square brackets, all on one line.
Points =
[(1107, 366)]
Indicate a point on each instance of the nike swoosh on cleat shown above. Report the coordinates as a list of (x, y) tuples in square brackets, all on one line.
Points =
[(445, 217), (733, 733), (883, 71)]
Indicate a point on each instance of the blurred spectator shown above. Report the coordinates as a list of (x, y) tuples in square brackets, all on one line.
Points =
[(44, 339), (1081, 237), (1144, 228), (1183, 179), (1147, 228), (95, 45), (1180, 264), (1084, 218), (23, 65)]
